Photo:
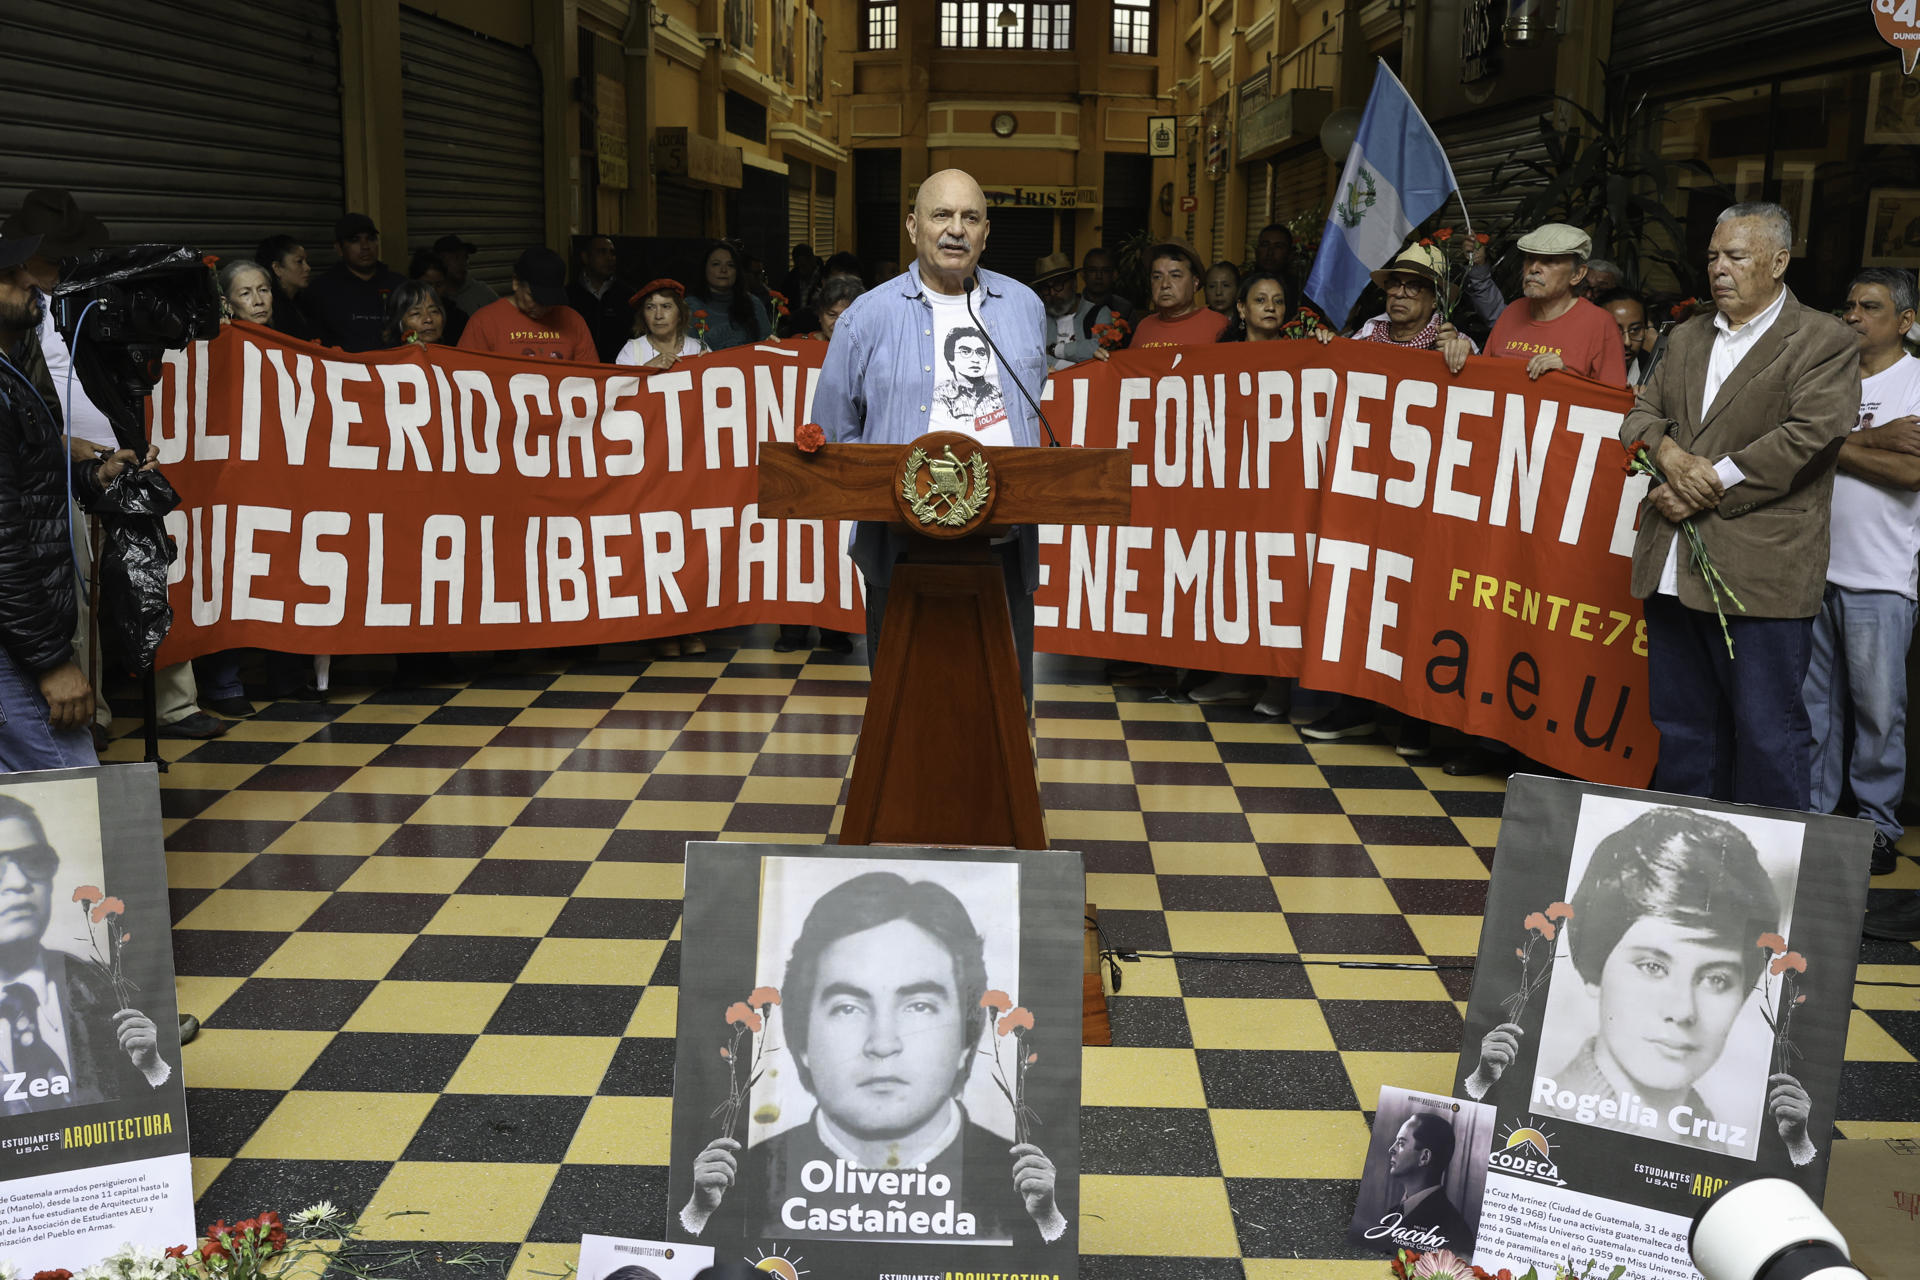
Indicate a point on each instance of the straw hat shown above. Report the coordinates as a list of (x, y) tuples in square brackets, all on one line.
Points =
[(1423, 260)]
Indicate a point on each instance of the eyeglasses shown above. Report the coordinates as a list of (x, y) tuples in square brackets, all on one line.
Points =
[(1635, 330), (1407, 284), (36, 861)]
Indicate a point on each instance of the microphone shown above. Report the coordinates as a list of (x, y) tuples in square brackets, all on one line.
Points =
[(966, 287)]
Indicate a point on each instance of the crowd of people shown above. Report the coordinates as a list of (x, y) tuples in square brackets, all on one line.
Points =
[(1797, 430)]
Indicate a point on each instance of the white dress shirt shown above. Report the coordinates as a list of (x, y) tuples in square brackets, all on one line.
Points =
[(1730, 347), (82, 418)]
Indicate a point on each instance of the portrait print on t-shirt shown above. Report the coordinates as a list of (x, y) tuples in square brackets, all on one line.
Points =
[(967, 391)]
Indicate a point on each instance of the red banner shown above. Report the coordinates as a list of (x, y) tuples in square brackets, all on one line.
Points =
[(1352, 514)]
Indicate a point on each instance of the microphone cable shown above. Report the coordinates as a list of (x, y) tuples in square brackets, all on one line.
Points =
[(967, 286)]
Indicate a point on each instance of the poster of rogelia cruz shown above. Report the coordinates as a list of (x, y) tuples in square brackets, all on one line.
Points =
[(1659, 1009), (878, 1070), (93, 1111)]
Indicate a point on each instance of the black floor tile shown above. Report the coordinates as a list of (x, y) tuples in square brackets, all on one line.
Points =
[(462, 958), (386, 1062), (1212, 828), (1411, 1026), (1135, 930), (1354, 934), (429, 841), (1275, 1080), (221, 1120), (650, 846), (312, 873), (628, 1200), (1245, 978), (223, 835), (291, 1004), (640, 1068), (1167, 1142), (486, 1128), (1377, 828), (1217, 893), (1317, 860), (1295, 1218), (568, 1009), (616, 918), (527, 877), (246, 1186), (1147, 1022), (222, 953), (374, 913)]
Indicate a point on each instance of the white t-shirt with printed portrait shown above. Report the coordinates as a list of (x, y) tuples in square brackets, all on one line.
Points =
[(968, 392), (1876, 529)]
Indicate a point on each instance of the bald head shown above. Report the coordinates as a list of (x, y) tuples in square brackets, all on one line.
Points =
[(948, 227)]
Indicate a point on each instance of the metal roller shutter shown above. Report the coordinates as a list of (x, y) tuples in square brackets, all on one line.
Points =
[(1216, 247), (1477, 146), (799, 225), (824, 184), (1259, 189), (683, 210), (1683, 35), (125, 104), (1016, 239), (475, 144), (1299, 185)]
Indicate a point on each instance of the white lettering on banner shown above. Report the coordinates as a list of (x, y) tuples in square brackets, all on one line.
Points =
[(522, 388), (1210, 432), (1269, 591), (1126, 579), (670, 386), (1185, 571), (1274, 427), (802, 536), (450, 569), (731, 416), (1521, 463), (1356, 433), (624, 426), (405, 414), (1170, 469), (1592, 426), (1127, 429), (169, 429), (1411, 443), (1626, 518), (327, 569), (711, 521), (449, 447), (663, 562), (1232, 630), (579, 406), (566, 569), (481, 452), (1388, 566), (1087, 575), (492, 609), (176, 526), (773, 410), (1346, 558), (379, 612), (532, 562), (1317, 390), (759, 547), (249, 563), (1455, 453), (208, 579), (212, 448), (341, 454), (606, 566), (250, 379)]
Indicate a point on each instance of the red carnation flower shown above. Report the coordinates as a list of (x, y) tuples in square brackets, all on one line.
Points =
[(810, 437)]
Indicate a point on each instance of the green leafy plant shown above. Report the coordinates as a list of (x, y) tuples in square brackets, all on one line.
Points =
[(1603, 173)]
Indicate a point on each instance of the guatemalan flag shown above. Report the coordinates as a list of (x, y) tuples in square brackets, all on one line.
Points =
[(1396, 176)]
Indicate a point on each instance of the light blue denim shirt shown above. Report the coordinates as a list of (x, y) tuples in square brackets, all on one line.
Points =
[(876, 386)]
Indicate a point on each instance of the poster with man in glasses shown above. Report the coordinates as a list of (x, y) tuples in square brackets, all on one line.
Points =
[(93, 1115)]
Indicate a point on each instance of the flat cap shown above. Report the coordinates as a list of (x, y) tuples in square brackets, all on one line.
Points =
[(1551, 239)]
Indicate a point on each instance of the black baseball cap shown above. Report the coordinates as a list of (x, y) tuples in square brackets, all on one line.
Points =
[(351, 225), (454, 244), (14, 251), (544, 274)]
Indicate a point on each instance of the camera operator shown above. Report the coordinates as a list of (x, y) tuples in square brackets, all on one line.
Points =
[(46, 701)]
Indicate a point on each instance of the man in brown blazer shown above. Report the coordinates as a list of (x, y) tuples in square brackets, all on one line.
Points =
[(1745, 417)]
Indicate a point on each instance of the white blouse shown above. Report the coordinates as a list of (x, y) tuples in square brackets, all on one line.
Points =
[(640, 350)]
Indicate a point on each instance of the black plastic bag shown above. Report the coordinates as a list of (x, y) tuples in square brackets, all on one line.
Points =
[(134, 612)]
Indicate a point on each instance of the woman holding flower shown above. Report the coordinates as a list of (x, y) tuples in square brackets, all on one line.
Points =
[(662, 327), (735, 315)]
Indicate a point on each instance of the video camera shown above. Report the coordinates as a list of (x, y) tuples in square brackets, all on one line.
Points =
[(128, 306)]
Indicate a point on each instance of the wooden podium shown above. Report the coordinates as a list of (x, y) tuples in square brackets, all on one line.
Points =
[(945, 756)]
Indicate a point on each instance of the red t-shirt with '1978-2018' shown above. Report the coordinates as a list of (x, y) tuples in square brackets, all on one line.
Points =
[(1585, 338)]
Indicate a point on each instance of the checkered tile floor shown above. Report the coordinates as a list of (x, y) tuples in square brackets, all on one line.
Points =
[(433, 936)]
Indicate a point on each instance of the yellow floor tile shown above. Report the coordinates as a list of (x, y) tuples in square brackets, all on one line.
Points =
[(1302, 828), (659, 1008), (251, 1059), (205, 1168), (712, 764), (312, 1125), (203, 777), (1123, 892), (623, 1131), (1867, 1042), (631, 880), (265, 910), (495, 697), (676, 815), (733, 721), (1117, 1077), (1145, 978), (1064, 826), (1373, 753), (384, 713), (1424, 862), (1435, 777), (271, 730), (410, 875), (580, 784), (194, 870), (1257, 1024), (1162, 712), (263, 806), (476, 1202), (1274, 731), (484, 915), (1051, 729), (1248, 931), (1884, 1129), (1447, 935), (1044, 692), (1290, 1144), (1891, 996), (629, 961), (768, 790), (592, 683), (549, 844), (1276, 775), (1482, 833), (1168, 799), (1312, 1269), (202, 997), (776, 837), (557, 718), (1331, 982), (1155, 749), (1429, 1072), (326, 839), (354, 956), (469, 811), (1179, 858), (445, 1008), (659, 701), (388, 780), (1182, 1217), (539, 759), (1063, 769), (810, 744), (546, 1065), (1334, 893), (1373, 800), (449, 735), (331, 753)]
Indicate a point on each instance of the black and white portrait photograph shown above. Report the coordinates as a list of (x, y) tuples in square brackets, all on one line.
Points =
[(77, 1027), (881, 1071), (1425, 1174), (615, 1258)]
